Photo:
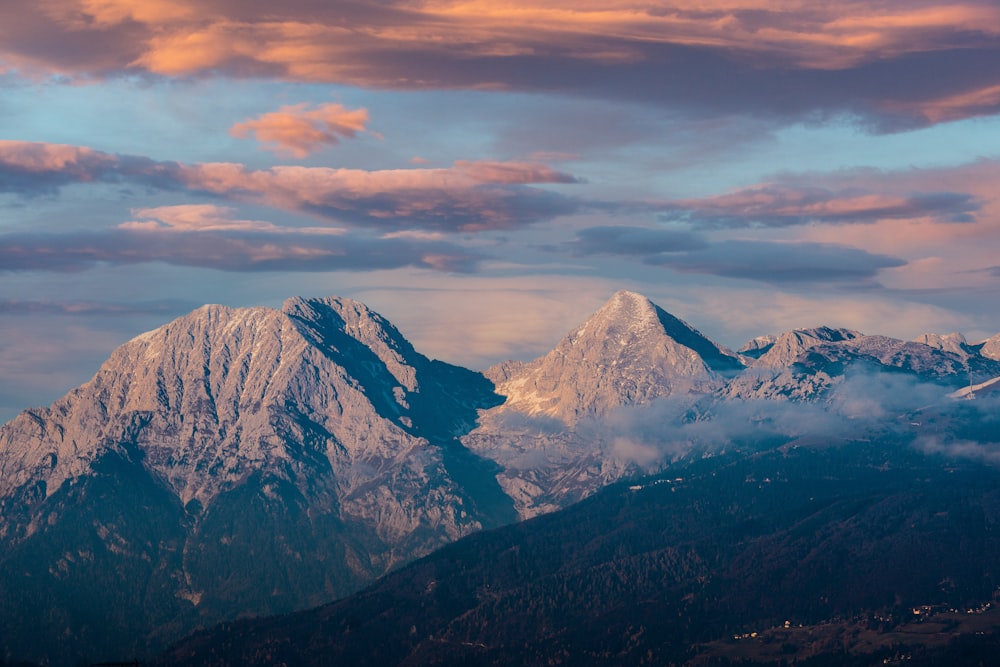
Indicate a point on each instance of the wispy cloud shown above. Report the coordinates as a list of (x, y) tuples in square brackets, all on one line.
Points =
[(785, 205), (245, 251), (209, 218), (212, 237), (468, 196), (299, 130), (89, 308), (634, 241)]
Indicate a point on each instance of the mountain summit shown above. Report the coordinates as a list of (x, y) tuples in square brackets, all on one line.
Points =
[(629, 352), (280, 458)]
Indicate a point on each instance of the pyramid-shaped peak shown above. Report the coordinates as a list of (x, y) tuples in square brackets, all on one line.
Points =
[(632, 319), (628, 299), (630, 309)]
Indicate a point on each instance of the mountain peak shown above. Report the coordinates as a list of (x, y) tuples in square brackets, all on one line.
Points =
[(781, 351), (629, 304), (629, 351), (952, 342), (625, 316), (990, 348)]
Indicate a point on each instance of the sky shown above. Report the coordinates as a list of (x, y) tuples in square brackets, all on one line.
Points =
[(486, 174)]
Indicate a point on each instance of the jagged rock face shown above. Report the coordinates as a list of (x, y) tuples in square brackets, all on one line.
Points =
[(221, 393), (755, 347), (822, 365), (628, 353), (783, 350), (990, 348), (314, 437), (953, 342)]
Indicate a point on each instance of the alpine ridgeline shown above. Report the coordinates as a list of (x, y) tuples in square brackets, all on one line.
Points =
[(253, 461), (547, 435), (234, 461)]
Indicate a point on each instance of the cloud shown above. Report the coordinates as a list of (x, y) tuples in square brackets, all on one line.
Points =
[(787, 60), (633, 241), (210, 237), (89, 308), (298, 130), (208, 218), (863, 405), (468, 196), (780, 262), (30, 168), (786, 205), (773, 262)]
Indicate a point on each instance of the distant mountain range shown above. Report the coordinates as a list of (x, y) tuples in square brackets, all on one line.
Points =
[(255, 461)]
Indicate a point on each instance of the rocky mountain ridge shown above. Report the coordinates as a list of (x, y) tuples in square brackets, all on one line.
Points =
[(292, 456), (282, 458)]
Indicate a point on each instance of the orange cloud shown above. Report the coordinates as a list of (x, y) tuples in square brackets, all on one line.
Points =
[(343, 42), (704, 53), (298, 130)]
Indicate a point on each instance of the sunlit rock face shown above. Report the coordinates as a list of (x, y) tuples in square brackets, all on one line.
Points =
[(291, 455), (629, 353), (256, 461)]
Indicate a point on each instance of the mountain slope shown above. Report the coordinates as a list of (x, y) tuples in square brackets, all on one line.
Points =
[(655, 572), (253, 461), (629, 353), (293, 455)]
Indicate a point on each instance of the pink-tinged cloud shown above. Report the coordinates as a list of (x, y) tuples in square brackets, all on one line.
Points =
[(791, 204), (228, 250), (469, 196), (788, 58), (465, 197), (31, 168), (299, 130), (209, 218)]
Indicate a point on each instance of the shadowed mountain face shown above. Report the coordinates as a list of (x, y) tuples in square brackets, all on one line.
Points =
[(253, 461), (667, 570)]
